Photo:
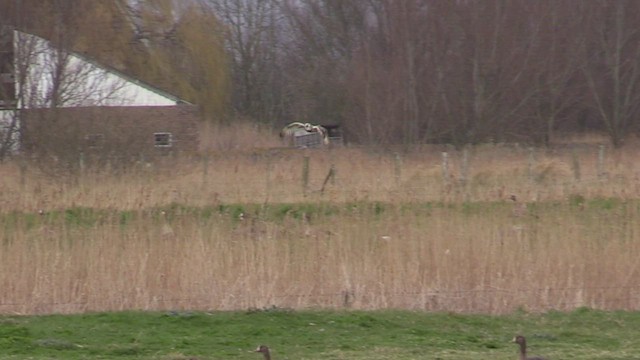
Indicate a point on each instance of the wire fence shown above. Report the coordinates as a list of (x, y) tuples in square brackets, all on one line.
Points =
[(439, 174), (486, 300), (452, 175)]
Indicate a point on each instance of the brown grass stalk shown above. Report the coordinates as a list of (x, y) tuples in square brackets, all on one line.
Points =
[(442, 260), (276, 176), (467, 253)]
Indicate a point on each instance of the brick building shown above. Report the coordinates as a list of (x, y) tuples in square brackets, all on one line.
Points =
[(115, 132), (103, 112)]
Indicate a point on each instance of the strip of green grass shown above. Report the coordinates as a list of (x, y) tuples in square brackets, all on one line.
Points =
[(582, 334), (82, 216)]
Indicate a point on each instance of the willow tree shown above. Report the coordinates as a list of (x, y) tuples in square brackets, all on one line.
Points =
[(203, 61), (171, 45), (175, 47), (252, 32), (180, 47)]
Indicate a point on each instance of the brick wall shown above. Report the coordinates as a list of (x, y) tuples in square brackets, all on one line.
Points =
[(118, 132)]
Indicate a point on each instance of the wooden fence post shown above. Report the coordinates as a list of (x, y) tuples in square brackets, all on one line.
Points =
[(397, 168), (445, 167), (531, 163), (205, 170), (601, 172), (464, 166), (268, 180), (81, 162), (23, 172), (330, 176), (305, 175), (575, 165)]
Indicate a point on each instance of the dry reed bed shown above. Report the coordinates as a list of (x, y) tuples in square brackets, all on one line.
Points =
[(275, 176), (470, 259), (478, 259)]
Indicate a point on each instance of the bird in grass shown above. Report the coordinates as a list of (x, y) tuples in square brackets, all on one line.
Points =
[(520, 340), (519, 209), (264, 349)]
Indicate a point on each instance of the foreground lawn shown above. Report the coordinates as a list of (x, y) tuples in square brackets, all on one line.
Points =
[(582, 334)]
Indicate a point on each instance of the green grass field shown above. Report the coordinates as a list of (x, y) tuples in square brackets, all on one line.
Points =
[(581, 334)]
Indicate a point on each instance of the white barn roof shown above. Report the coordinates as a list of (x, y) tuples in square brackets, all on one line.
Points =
[(89, 83)]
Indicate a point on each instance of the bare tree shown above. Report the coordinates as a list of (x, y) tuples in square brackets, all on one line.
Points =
[(465, 71), (557, 59), (611, 64), (253, 42), (8, 120), (388, 74), (322, 37), (448, 71), (55, 77)]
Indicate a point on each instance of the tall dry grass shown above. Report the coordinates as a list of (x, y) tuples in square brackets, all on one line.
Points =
[(461, 259), (275, 176), (467, 253)]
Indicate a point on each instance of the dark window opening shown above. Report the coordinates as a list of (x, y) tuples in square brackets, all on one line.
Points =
[(162, 139)]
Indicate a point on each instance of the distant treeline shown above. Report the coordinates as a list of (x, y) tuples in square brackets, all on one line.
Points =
[(424, 71)]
